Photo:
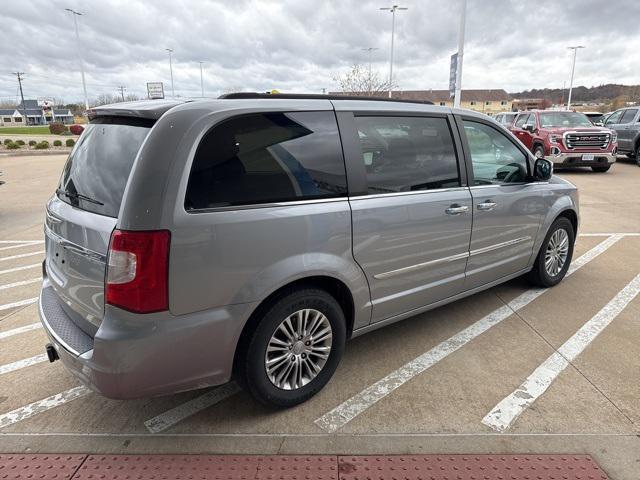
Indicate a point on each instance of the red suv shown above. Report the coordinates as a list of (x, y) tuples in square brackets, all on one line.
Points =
[(568, 139)]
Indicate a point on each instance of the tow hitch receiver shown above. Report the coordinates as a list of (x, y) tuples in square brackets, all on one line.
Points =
[(52, 354)]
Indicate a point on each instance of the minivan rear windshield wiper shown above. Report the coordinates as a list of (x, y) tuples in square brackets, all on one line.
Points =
[(60, 191)]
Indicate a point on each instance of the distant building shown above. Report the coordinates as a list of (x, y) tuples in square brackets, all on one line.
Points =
[(531, 104), (36, 115), (490, 102)]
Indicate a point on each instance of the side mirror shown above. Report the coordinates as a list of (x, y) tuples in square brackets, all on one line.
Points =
[(528, 127), (542, 169)]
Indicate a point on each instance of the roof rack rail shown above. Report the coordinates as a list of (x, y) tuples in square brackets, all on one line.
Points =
[(313, 96)]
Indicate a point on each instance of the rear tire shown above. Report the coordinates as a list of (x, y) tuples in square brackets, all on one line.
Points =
[(547, 270), (601, 169), (637, 154), (292, 354)]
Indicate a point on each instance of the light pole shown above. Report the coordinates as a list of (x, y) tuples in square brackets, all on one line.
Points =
[(393, 10), (573, 69), (75, 14), (369, 49), (173, 92), (201, 80), (458, 92)]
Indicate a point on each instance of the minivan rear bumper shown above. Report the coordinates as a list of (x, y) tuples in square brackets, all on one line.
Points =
[(136, 356)]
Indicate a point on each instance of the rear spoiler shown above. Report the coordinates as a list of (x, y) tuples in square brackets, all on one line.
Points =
[(149, 109)]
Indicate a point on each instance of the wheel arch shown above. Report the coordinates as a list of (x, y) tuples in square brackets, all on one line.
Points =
[(332, 285)]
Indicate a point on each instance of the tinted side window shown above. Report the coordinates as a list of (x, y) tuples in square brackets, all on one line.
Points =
[(614, 117), (522, 119), (628, 116), (495, 159), (403, 154), (268, 157)]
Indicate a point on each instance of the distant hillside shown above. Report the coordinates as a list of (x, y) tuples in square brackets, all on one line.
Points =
[(602, 93)]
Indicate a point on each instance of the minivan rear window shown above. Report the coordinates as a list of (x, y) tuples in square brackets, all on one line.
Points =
[(97, 170)]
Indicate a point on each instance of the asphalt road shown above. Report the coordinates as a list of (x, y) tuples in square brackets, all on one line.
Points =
[(512, 369)]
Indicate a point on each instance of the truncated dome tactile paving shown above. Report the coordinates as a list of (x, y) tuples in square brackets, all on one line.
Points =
[(470, 467), (39, 466)]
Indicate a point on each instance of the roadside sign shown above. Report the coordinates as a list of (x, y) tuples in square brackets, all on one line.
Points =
[(453, 71), (155, 90)]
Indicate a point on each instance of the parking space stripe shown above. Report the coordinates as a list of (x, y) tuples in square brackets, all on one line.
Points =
[(18, 284), (507, 411), (19, 330), (17, 269), (19, 245), (171, 417), (21, 241), (41, 406), (28, 301), (22, 255), (359, 403), (26, 362)]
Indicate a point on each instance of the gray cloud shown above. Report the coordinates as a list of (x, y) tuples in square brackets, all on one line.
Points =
[(296, 45)]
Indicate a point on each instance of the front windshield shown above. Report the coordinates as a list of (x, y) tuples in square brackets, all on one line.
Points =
[(564, 119)]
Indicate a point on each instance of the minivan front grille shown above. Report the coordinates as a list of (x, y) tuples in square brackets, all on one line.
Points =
[(582, 140)]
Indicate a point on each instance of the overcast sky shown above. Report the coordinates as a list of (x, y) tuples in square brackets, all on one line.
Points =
[(300, 45)]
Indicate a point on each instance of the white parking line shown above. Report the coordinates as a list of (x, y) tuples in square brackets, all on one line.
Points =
[(19, 330), (20, 303), (19, 245), (26, 362), (18, 284), (627, 234), (17, 269), (21, 241), (22, 255), (41, 406), (354, 406), (171, 417), (507, 411)]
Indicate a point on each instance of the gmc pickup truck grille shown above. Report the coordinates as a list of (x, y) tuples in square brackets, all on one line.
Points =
[(582, 140)]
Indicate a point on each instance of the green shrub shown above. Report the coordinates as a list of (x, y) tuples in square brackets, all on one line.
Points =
[(66, 133), (7, 141), (57, 143), (42, 145), (57, 128), (70, 142), (20, 142), (32, 143), (12, 146)]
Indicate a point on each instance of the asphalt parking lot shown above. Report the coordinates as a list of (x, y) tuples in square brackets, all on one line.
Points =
[(512, 369)]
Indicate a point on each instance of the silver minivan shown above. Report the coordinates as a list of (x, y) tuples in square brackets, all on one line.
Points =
[(248, 237)]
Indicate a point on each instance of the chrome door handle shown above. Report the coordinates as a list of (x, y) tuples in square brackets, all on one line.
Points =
[(488, 205), (456, 209)]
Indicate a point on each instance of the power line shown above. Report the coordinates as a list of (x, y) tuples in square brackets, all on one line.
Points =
[(122, 88)]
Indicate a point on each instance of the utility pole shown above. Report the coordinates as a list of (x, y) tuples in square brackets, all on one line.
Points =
[(201, 80), (458, 92), (173, 92), (393, 10), (24, 107), (78, 47), (122, 88), (573, 68), (369, 49)]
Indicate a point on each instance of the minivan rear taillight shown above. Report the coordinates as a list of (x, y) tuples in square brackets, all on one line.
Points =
[(138, 270)]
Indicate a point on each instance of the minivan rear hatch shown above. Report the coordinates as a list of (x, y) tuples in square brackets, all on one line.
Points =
[(83, 213)]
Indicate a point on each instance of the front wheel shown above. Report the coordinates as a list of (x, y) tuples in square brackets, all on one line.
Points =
[(601, 169), (538, 151), (295, 349), (555, 254), (637, 154)]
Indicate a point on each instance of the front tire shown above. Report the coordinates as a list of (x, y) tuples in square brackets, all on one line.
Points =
[(601, 169), (538, 151), (294, 350), (555, 254)]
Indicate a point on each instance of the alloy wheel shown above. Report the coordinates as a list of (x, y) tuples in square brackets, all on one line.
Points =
[(557, 251)]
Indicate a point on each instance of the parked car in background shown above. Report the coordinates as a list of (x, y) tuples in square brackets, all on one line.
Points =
[(506, 118), (597, 118), (626, 123), (568, 139), (249, 237)]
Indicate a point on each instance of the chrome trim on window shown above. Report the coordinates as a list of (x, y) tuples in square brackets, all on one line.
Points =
[(413, 268), (412, 192), (497, 246), (291, 203)]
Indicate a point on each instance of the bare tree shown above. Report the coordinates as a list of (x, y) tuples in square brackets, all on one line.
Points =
[(107, 98), (362, 81)]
